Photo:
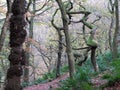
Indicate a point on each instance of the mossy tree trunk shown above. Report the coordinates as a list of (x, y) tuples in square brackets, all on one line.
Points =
[(17, 54)]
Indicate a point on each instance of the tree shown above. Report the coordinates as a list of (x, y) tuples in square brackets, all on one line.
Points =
[(111, 10), (60, 46), (28, 44), (33, 4), (6, 24), (114, 10), (67, 39), (115, 47), (17, 54)]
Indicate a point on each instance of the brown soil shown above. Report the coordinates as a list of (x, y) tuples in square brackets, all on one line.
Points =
[(49, 85), (116, 86)]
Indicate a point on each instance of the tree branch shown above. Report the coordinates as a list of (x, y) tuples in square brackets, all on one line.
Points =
[(79, 12), (42, 6), (52, 21)]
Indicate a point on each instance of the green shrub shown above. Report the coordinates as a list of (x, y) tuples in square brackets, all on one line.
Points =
[(39, 80), (115, 75), (103, 61), (64, 69), (24, 84), (116, 69), (49, 76), (81, 81), (107, 76)]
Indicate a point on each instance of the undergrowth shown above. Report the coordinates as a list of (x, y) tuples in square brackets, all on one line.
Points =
[(82, 77), (84, 73), (114, 75), (81, 81), (46, 77)]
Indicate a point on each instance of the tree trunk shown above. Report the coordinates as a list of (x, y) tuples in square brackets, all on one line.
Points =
[(67, 38), (93, 59), (28, 45), (110, 33), (111, 10), (115, 50), (118, 25), (17, 38), (59, 54), (6, 24)]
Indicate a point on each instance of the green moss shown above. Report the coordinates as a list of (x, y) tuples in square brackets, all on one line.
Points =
[(91, 41)]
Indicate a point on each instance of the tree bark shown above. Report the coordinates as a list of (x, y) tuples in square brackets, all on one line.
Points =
[(115, 50), (67, 38), (17, 54), (28, 45), (93, 59), (59, 54)]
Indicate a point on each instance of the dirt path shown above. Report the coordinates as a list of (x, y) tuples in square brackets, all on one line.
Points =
[(116, 86), (49, 85), (96, 81)]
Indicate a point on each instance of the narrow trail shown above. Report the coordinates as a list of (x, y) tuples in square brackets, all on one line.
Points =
[(49, 85), (96, 81)]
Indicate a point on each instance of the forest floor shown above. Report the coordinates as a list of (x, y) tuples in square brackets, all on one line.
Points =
[(52, 85)]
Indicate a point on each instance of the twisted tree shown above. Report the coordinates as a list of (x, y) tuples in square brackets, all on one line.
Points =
[(17, 37)]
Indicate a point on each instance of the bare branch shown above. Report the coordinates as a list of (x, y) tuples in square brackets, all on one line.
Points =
[(87, 24), (79, 12), (82, 6), (60, 42), (99, 17), (42, 6), (43, 11), (52, 21), (80, 48), (30, 2)]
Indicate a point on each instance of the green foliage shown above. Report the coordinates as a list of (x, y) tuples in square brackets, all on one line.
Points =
[(114, 76), (49, 76), (86, 86), (83, 74), (39, 80), (64, 69), (116, 68), (36, 82), (52, 75), (24, 84), (104, 61), (46, 77), (106, 76), (81, 81), (107, 56)]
